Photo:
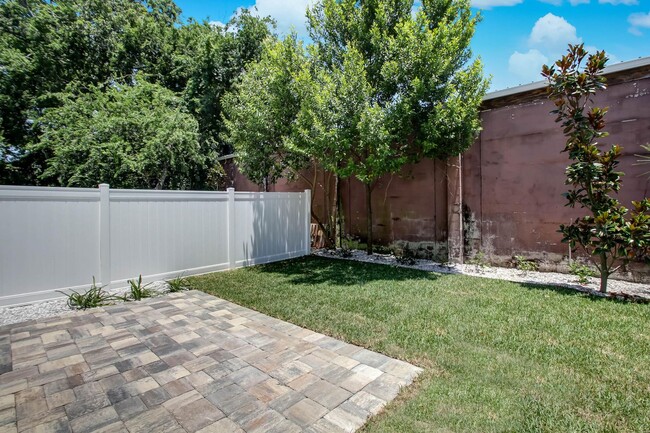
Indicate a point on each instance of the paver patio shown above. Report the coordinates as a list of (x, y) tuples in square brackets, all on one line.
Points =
[(187, 362)]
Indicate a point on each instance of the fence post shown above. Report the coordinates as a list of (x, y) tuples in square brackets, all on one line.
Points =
[(307, 221), (104, 235), (455, 240), (231, 228)]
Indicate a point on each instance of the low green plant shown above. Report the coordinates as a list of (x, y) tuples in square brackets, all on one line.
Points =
[(344, 252), (406, 256), (523, 264), (178, 284), (382, 249), (582, 271), (94, 297), (479, 260), (137, 291)]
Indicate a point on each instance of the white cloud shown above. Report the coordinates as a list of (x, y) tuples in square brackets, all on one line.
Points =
[(217, 24), (635, 31), (289, 14), (488, 4), (548, 40), (637, 20), (553, 33), (527, 66), (619, 2), (572, 2)]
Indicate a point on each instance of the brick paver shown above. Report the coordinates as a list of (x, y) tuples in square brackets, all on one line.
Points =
[(187, 362)]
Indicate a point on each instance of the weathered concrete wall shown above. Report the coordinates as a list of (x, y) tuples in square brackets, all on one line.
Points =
[(514, 174), (409, 206)]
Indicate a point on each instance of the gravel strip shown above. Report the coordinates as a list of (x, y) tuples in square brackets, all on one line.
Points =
[(615, 288), (56, 307)]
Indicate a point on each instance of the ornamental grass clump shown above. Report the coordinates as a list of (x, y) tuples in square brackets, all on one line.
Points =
[(94, 297), (610, 234)]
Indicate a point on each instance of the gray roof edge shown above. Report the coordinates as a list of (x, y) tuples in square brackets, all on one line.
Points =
[(618, 67)]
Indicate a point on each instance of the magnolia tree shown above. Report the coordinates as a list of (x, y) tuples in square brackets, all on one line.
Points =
[(381, 85), (610, 234)]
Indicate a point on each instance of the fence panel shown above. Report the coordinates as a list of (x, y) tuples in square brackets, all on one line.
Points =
[(264, 227), (59, 238)]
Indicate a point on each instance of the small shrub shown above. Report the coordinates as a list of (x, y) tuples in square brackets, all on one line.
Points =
[(178, 284), (582, 271), (137, 291), (407, 257), (344, 252), (382, 249), (94, 297), (524, 264), (479, 260)]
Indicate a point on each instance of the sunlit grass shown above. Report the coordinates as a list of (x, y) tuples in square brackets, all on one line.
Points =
[(498, 356)]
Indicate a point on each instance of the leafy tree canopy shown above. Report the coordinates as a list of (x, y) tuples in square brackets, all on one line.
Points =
[(47, 48), (130, 136), (260, 113), (381, 85)]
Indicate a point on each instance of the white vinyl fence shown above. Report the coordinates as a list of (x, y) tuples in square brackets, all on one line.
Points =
[(59, 238)]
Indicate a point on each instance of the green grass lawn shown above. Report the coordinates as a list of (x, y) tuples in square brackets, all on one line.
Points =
[(498, 356)]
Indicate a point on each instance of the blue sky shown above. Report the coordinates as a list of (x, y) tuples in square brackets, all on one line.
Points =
[(515, 37)]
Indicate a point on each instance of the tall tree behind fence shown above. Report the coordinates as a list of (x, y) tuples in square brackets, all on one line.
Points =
[(59, 238)]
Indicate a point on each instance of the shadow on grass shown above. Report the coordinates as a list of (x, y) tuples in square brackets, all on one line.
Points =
[(590, 294), (314, 270)]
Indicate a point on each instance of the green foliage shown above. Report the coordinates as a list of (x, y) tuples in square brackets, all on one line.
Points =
[(137, 291), (479, 260), (387, 86), (178, 284), (74, 47), (259, 136), (523, 264), (46, 47), (608, 234), (344, 252), (350, 103), (94, 297), (582, 271), (130, 136), (380, 86), (219, 57), (406, 256)]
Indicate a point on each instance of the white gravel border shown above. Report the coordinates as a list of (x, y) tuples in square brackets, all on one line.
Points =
[(615, 288), (58, 306)]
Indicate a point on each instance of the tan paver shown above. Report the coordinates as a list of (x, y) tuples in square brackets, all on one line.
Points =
[(187, 362)]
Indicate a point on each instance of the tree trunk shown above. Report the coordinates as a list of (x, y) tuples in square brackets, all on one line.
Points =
[(334, 216), (162, 179), (369, 220), (604, 273)]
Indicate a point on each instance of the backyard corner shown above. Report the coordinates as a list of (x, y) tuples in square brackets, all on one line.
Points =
[(497, 355)]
